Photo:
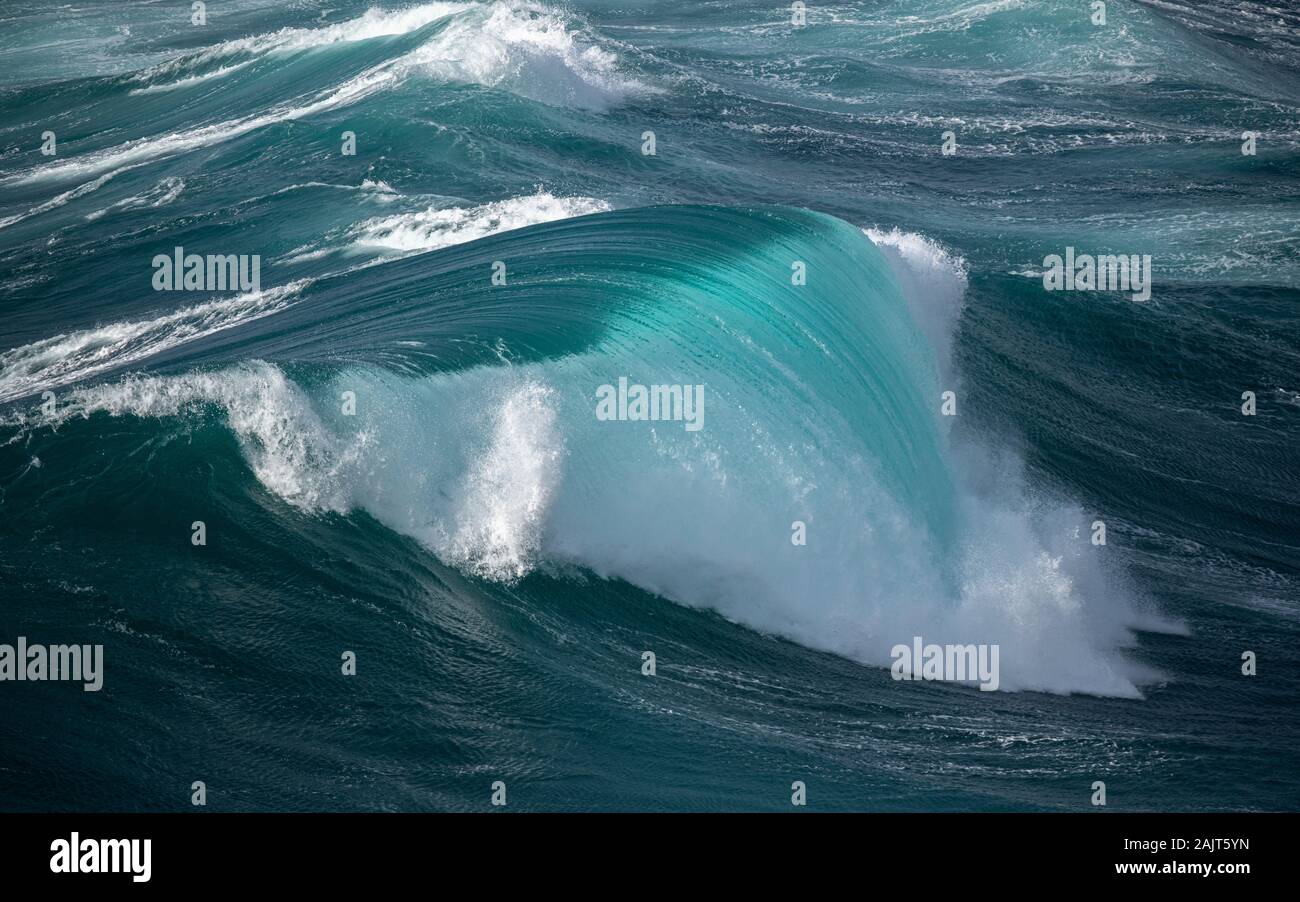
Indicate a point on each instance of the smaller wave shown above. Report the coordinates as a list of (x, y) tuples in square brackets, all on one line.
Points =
[(160, 195), (407, 233), (191, 80), (374, 23), (71, 357), (530, 49), (146, 149), (380, 188), (960, 19), (63, 199), (403, 234)]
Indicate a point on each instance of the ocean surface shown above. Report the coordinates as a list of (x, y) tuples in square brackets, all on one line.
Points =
[(497, 558)]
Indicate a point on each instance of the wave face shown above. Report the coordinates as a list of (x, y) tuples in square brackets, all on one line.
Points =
[(393, 444)]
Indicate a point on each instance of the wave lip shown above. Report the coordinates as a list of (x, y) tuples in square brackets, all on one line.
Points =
[(438, 227), (933, 280), (63, 359)]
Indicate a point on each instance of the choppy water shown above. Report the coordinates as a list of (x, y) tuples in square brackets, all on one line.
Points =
[(497, 557)]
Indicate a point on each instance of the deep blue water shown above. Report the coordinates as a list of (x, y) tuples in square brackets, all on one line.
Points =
[(497, 557)]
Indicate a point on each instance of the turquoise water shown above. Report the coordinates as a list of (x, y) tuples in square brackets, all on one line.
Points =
[(497, 557)]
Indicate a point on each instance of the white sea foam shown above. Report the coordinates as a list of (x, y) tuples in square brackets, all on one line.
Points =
[(160, 195), (531, 49), (441, 227), (287, 446), (507, 490), (191, 81), (401, 234), (477, 494)]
